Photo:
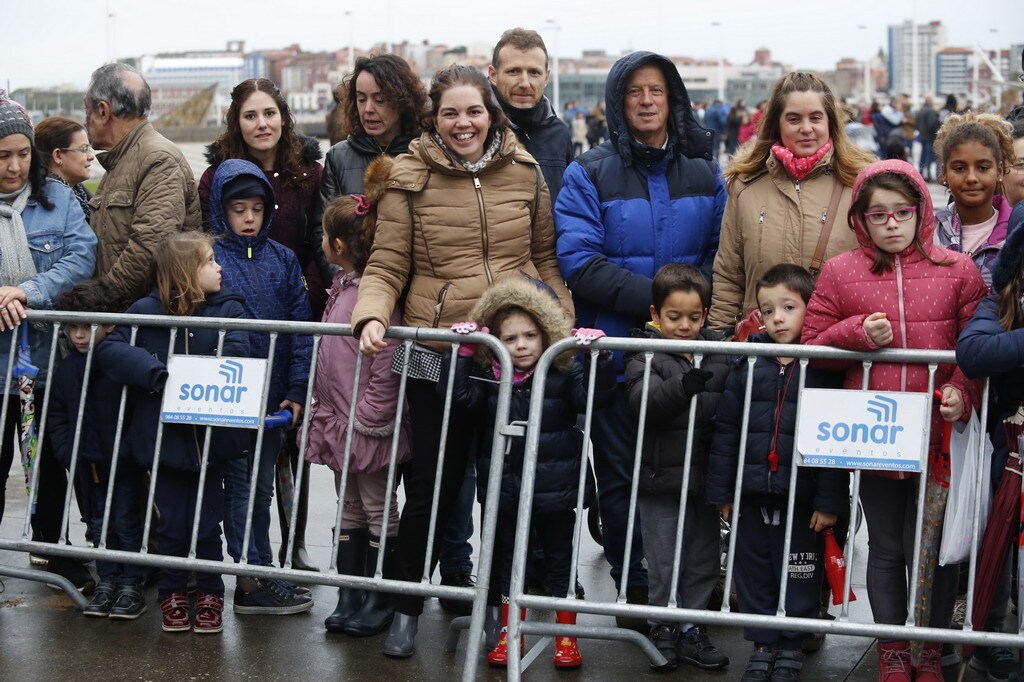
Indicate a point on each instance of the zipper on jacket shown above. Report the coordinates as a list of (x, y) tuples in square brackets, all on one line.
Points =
[(773, 457), (760, 234), (824, 215), (439, 306), (903, 320), (797, 183), (484, 238)]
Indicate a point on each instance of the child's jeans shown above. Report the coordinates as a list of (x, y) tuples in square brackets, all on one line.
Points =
[(760, 533), (176, 494), (700, 563), (127, 511), (237, 475)]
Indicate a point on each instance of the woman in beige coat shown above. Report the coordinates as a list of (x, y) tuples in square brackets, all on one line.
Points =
[(465, 206), (785, 190)]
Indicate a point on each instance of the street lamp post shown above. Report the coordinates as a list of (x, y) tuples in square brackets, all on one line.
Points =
[(351, 41), (721, 62), (553, 25), (867, 71)]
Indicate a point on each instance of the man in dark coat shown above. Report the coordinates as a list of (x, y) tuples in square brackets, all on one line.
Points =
[(519, 73)]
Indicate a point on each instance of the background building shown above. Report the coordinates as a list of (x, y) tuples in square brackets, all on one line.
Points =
[(912, 57)]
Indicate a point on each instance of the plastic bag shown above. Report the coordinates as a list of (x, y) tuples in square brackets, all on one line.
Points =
[(959, 520)]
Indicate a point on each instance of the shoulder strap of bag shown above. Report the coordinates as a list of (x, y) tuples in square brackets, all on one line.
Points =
[(826, 229)]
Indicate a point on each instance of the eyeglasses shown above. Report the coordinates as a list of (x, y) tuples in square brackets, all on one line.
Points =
[(901, 215), (82, 150)]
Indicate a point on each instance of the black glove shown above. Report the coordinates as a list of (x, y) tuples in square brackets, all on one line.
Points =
[(694, 381)]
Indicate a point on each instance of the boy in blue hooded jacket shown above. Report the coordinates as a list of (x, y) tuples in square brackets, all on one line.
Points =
[(269, 278)]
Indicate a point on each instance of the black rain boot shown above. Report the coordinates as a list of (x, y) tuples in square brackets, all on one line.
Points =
[(376, 612), (300, 559), (351, 561)]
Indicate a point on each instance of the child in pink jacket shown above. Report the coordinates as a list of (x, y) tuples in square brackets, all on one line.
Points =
[(898, 290), (347, 244)]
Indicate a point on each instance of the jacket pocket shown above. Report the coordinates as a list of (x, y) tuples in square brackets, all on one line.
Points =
[(439, 306), (46, 248), (762, 213)]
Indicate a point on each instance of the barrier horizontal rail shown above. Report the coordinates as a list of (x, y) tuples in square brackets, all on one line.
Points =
[(424, 588), (842, 625)]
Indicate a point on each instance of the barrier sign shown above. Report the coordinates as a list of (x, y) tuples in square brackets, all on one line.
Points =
[(211, 391), (863, 429)]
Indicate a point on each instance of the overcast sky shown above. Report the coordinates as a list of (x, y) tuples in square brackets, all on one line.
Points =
[(48, 42)]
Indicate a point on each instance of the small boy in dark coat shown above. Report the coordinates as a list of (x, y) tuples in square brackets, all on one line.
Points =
[(681, 298), (760, 525), (119, 592)]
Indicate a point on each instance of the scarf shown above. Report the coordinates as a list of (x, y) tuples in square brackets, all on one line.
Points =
[(80, 192), (527, 119), (517, 376), (16, 265), (474, 168), (800, 167)]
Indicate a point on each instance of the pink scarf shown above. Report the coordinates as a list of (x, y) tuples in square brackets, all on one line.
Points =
[(517, 376), (800, 167)]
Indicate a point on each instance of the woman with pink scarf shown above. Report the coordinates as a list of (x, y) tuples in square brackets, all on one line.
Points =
[(785, 191)]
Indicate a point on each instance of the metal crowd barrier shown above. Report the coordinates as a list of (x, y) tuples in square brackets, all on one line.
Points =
[(842, 625), (330, 577)]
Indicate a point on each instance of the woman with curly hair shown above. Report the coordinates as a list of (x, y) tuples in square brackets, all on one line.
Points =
[(785, 191), (259, 128), (380, 104)]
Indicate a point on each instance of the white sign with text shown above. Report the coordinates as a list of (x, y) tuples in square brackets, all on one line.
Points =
[(863, 429), (212, 391)]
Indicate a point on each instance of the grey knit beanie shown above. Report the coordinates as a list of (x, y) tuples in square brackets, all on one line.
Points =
[(14, 119)]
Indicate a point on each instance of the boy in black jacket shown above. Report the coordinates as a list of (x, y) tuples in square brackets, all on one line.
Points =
[(119, 593), (681, 298), (821, 494)]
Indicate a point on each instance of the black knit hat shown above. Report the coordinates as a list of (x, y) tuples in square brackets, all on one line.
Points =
[(243, 187), (14, 119)]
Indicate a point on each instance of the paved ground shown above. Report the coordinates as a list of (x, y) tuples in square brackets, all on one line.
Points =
[(43, 637)]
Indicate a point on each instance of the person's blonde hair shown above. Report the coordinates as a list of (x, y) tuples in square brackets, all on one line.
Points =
[(176, 263), (847, 158)]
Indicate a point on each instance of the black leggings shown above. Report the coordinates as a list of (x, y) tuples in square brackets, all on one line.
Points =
[(426, 410)]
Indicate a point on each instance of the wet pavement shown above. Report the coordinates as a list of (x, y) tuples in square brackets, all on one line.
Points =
[(43, 636)]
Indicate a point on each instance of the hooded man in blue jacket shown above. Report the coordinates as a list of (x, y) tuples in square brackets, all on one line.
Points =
[(650, 195)]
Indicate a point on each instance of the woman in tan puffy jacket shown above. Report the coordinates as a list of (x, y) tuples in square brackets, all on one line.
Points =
[(785, 189), (465, 206)]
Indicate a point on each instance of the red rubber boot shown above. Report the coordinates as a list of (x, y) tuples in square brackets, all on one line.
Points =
[(499, 656), (567, 654)]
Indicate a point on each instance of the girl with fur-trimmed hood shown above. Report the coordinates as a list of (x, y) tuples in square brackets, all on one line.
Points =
[(527, 318)]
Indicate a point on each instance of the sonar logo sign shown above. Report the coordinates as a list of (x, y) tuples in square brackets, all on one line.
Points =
[(862, 429), (230, 398)]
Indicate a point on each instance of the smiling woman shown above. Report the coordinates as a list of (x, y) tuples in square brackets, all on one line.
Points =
[(786, 188), (480, 210)]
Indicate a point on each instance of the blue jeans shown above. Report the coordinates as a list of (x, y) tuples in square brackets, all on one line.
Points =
[(127, 511), (456, 552), (237, 478), (927, 158), (613, 433)]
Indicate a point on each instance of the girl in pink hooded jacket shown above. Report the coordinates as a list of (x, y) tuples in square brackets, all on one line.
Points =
[(346, 243), (898, 290)]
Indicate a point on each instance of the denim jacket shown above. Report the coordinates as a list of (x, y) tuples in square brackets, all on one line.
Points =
[(63, 250)]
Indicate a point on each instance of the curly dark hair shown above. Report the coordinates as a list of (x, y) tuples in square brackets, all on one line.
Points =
[(401, 87), (460, 74), (230, 144)]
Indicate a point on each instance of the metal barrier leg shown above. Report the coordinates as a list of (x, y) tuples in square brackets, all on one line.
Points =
[(455, 628), (51, 579)]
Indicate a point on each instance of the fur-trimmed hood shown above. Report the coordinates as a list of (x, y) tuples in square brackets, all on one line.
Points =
[(534, 297), (309, 153), (375, 181)]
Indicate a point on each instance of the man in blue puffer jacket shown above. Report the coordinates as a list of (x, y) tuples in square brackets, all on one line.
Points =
[(648, 196)]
